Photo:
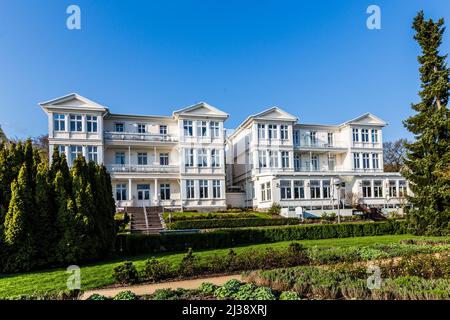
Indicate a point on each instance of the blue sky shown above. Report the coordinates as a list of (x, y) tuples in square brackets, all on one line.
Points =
[(315, 59)]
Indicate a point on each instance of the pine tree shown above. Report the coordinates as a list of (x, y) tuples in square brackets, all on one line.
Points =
[(428, 157), (18, 224)]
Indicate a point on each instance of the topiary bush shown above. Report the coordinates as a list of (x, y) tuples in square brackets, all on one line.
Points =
[(126, 273)]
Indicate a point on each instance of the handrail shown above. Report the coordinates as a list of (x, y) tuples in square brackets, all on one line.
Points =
[(146, 218)]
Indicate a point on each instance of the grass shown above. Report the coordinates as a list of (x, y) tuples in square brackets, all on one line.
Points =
[(199, 215), (100, 274)]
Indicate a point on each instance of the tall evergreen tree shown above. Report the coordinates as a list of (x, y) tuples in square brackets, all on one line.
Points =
[(428, 157), (18, 223)]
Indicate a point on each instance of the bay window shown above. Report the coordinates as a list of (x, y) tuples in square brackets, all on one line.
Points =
[(59, 122)]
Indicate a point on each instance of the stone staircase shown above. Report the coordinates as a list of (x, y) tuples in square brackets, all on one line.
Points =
[(139, 222), (373, 214)]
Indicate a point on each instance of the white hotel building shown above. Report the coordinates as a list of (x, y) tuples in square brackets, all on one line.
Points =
[(186, 159)]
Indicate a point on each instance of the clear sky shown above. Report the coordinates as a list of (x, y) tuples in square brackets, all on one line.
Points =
[(315, 59)]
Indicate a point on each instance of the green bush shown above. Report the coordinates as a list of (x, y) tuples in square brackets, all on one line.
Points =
[(263, 293), (289, 295), (126, 273), (231, 223), (138, 244), (182, 216), (228, 290), (245, 292), (188, 265), (274, 209), (97, 296), (156, 270), (208, 288), (125, 295)]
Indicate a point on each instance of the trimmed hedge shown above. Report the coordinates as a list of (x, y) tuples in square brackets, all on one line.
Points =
[(231, 223), (139, 243)]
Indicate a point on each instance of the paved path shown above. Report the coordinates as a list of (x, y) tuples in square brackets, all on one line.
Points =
[(150, 288)]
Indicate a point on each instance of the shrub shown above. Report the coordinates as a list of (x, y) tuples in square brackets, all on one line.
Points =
[(126, 273), (97, 296), (274, 209), (245, 292), (289, 295), (230, 288), (231, 223), (125, 295), (170, 294), (263, 293), (188, 265), (138, 244), (156, 270), (208, 288)]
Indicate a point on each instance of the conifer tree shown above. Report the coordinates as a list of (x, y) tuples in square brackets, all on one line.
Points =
[(428, 157), (18, 224)]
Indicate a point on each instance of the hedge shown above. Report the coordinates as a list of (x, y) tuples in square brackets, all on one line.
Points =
[(132, 244), (231, 223)]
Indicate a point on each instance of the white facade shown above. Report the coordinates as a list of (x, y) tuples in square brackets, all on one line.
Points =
[(275, 159), (169, 161), (186, 160)]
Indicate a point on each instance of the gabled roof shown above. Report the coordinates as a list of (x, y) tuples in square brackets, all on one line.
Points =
[(366, 118), (268, 114), (73, 101), (201, 109)]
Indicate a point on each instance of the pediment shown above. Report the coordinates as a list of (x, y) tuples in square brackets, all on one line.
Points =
[(72, 101), (201, 109), (275, 113), (367, 119)]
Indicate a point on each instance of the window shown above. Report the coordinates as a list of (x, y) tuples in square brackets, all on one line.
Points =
[(366, 161), (59, 122), (203, 189), (163, 129), (119, 127), (190, 194), (189, 157), (272, 131), (330, 139), (331, 162), (61, 149), (314, 189), (315, 162), (285, 159), (268, 191), (366, 189), (355, 132), (261, 131), (356, 161), (142, 158), (313, 138), (164, 191), (75, 152), (297, 162), (164, 159), (365, 135), (377, 189), (120, 158), (215, 129), (402, 190), (92, 153), (296, 137), (299, 189), (187, 125), (216, 189), (273, 159), (392, 188), (91, 123), (326, 189), (284, 132), (215, 158), (143, 191), (121, 191), (141, 128), (375, 161), (285, 189), (76, 123), (201, 128), (202, 158), (374, 135), (262, 159)]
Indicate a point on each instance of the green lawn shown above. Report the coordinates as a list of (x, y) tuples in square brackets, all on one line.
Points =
[(224, 215), (100, 274)]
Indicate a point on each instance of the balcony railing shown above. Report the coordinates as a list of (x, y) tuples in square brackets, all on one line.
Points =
[(134, 136), (139, 168), (335, 169), (306, 143)]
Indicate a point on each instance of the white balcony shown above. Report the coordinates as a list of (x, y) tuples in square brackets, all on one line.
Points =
[(116, 168), (319, 144), (335, 169), (134, 136)]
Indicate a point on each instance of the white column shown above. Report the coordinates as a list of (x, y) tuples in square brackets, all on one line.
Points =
[(84, 150), (50, 125), (279, 159), (83, 123), (67, 120), (130, 192), (156, 200), (129, 156), (195, 157), (155, 161)]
